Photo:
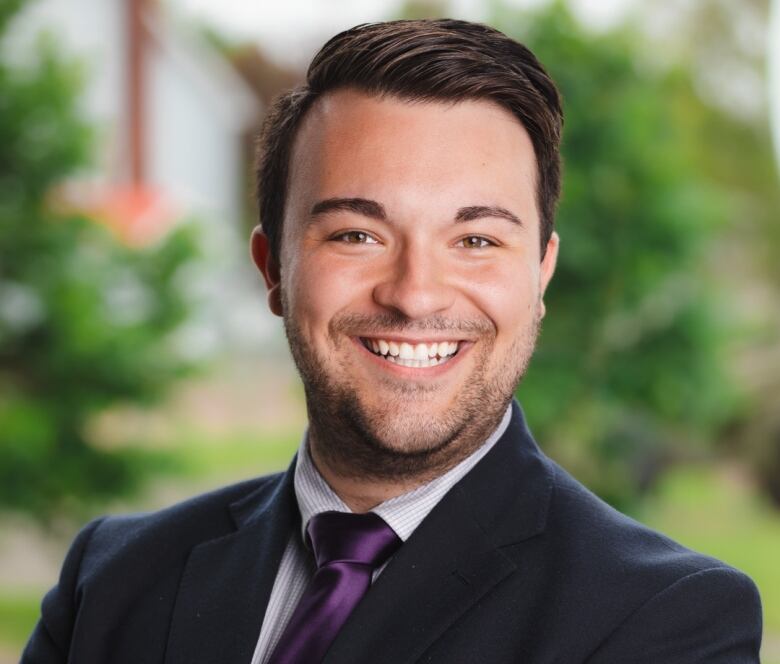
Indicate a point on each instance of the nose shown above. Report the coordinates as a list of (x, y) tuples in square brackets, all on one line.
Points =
[(416, 284)]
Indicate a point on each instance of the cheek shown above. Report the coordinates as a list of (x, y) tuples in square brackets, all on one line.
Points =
[(317, 291), (507, 293)]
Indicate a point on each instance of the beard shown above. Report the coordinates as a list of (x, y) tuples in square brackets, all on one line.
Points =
[(391, 441)]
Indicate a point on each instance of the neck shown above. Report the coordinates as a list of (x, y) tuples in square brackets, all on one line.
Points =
[(360, 494)]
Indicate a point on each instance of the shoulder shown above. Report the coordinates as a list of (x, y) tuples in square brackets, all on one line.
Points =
[(672, 600), (711, 615), (136, 560), (595, 533), (164, 536)]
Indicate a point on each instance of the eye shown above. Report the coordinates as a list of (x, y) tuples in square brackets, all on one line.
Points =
[(475, 242), (354, 237)]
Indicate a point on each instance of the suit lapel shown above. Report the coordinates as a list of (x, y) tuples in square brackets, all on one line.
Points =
[(454, 557), (226, 582), (423, 590)]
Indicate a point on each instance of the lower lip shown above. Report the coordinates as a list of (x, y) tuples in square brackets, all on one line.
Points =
[(416, 372)]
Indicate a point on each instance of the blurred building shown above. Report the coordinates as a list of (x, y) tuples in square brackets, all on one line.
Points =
[(773, 67), (173, 119)]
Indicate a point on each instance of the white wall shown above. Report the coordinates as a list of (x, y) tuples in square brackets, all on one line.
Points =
[(194, 124)]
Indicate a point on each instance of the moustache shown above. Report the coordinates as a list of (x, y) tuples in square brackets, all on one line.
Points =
[(353, 323)]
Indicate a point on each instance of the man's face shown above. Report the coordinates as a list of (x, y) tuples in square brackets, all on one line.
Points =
[(411, 278)]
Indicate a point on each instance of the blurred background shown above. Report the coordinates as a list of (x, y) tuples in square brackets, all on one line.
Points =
[(138, 363)]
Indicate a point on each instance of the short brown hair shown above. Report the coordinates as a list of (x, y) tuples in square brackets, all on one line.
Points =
[(422, 60)]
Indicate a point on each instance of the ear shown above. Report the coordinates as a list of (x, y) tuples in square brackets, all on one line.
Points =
[(548, 267), (269, 268)]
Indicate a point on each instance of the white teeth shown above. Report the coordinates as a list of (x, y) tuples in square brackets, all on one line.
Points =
[(413, 355), (416, 364)]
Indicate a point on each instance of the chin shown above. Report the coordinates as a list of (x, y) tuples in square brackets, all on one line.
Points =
[(413, 436), (390, 441)]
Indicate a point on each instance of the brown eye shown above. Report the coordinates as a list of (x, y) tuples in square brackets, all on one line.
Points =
[(475, 242), (355, 237)]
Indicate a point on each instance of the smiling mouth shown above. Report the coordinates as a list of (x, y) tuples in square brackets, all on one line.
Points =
[(419, 355)]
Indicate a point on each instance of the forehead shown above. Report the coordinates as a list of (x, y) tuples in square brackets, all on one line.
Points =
[(395, 151)]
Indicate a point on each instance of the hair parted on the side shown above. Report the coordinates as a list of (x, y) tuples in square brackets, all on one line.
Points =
[(417, 60)]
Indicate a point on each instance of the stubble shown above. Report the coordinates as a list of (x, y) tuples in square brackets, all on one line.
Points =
[(387, 442)]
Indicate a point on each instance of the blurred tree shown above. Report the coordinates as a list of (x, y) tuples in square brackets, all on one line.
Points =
[(723, 44), (85, 322), (421, 9), (628, 373)]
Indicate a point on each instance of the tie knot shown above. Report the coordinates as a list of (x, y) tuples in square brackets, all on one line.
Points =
[(351, 538)]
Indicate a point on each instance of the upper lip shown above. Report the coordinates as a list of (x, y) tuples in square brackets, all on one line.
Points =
[(411, 340)]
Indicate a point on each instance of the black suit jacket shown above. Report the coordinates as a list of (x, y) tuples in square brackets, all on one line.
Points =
[(517, 563)]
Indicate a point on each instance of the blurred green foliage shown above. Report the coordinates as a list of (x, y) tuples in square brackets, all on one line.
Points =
[(85, 322), (18, 614), (733, 141)]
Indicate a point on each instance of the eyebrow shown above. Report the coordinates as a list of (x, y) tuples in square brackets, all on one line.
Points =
[(362, 206), (480, 211), (374, 210)]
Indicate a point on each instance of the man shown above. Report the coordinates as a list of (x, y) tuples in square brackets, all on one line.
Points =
[(407, 195)]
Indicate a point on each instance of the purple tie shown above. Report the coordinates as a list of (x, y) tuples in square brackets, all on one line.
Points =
[(347, 548)]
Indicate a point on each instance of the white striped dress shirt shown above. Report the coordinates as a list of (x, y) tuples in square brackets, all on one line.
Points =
[(402, 513)]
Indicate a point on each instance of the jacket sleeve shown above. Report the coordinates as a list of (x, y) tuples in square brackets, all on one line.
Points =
[(712, 616), (50, 640)]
